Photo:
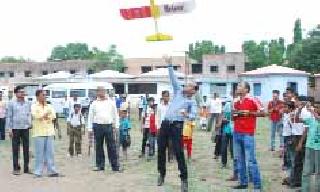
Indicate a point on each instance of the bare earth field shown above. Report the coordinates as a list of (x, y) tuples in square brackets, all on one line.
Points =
[(205, 173)]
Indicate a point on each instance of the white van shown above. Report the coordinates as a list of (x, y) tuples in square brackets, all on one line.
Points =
[(86, 92)]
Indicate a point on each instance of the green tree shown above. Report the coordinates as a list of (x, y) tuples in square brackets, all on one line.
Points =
[(109, 59), (276, 51), (297, 38), (198, 49), (12, 59), (70, 52), (257, 54), (306, 54)]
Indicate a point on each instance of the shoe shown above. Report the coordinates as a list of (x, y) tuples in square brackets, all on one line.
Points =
[(241, 187), (160, 180), (285, 181), (184, 185), (117, 170), (141, 156), (233, 179), (26, 171), (16, 172), (98, 169), (37, 176), (55, 175)]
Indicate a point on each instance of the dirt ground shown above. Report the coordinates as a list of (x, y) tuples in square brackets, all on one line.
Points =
[(205, 173)]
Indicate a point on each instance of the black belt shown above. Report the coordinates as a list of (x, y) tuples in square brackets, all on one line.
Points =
[(172, 122)]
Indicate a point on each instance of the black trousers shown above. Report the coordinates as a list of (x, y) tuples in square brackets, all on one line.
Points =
[(2, 129), (227, 140), (105, 133), (18, 136), (144, 140), (217, 149), (171, 131), (140, 113), (298, 162)]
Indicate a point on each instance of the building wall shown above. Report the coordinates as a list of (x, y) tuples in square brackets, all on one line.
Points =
[(133, 66), (223, 61), (272, 82)]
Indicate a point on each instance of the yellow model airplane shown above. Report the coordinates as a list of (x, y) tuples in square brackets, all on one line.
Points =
[(156, 11)]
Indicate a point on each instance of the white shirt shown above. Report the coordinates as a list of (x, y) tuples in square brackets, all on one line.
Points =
[(76, 119), (140, 104), (287, 125), (216, 105), (66, 104), (162, 110), (71, 105), (305, 114), (297, 127), (103, 112)]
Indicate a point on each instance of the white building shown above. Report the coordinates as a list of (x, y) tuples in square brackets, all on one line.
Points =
[(264, 80)]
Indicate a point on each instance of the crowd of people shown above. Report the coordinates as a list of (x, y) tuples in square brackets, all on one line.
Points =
[(167, 128)]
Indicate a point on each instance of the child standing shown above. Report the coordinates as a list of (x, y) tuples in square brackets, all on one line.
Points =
[(146, 126), (204, 117), (188, 127), (227, 137), (152, 131), (75, 130), (124, 128)]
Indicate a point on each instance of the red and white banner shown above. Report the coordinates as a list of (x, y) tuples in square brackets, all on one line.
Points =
[(136, 13)]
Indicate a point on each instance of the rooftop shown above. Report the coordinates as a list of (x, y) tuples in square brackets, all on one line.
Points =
[(275, 70)]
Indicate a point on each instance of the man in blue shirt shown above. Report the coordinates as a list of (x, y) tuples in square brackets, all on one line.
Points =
[(179, 109)]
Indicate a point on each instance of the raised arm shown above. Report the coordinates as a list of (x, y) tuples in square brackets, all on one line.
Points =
[(173, 80)]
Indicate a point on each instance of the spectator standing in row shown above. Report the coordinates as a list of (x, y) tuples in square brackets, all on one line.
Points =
[(274, 109), (18, 123), (3, 108)]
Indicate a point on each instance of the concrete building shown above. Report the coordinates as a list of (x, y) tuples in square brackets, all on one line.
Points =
[(219, 73), (264, 80)]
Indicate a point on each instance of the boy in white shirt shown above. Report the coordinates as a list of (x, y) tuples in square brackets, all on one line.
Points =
[(75, 130)]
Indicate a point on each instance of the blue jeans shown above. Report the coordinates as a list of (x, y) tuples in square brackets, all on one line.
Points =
[(275, 127), (246, 159), (44, 153)]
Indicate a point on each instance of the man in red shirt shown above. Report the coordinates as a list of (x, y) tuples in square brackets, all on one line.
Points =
[(246, 111), (274, 108)]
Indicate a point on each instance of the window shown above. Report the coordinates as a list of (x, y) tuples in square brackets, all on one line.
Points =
[(257, 89), (2, 74), (220, 88), (196, 68), (231, 69), (142, 88), (72, 71), (312, 82), (214, 69), (124, 69), (293, 86), (27, 74), (145, 69), (118, 88), (59, 94), (11, 74), (77, 92), (90, 71), (44, 72)]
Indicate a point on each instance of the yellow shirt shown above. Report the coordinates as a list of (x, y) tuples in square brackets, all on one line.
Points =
[(41, 126), (188, 129)]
